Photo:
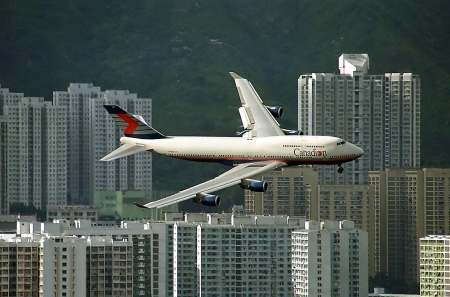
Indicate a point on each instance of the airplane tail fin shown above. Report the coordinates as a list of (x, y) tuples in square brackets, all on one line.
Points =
[(131, 125)]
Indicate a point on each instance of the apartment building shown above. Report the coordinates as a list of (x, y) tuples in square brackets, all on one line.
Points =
[(346, 202), (3, 165), (72, 213), (224, 254), (52, 149), (110, 269), (92, 134), (19, 267), (254, 253), (190, 255), (34, 144), (413, 204), (379, 113), (330, 259), (434, 268), (62, 266), (285, 194), (149, 253), (108, 261), (295, 191), (185, 271)]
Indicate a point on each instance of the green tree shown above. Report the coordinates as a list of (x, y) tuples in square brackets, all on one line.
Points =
[(21, 208), (393, 285)]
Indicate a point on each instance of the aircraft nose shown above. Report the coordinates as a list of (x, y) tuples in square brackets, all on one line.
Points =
[(359, 151)]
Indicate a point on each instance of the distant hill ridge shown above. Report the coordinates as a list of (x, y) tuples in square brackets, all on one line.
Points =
[(179, 53)]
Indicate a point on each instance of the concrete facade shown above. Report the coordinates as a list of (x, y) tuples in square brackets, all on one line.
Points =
[(34, 143), (346, 202), (379, 113), (191, 255), (72, 213), (330, 259), (434, 268), (412, 204), (285, 194), (92, 134)]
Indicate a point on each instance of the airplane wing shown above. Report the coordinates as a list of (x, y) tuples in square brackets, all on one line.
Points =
[(257, 120), (227, 179)]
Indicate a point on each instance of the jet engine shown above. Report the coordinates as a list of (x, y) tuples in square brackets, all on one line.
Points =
[(292, 132), (276, 111), (254, 185), (207, 199)]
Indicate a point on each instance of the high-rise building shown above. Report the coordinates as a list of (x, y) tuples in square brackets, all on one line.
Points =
[(285, 194), (92, 134), (295, 191), (434, 268), (412, 204), (345, 202), (379, 113), (52, 150), (329, 259), (342, 202), (3, 164), (36, 150)]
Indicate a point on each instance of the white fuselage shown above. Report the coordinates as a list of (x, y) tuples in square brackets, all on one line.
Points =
[(293, 150)]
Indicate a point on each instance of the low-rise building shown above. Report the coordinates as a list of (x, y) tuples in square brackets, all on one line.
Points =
[(72, 213)]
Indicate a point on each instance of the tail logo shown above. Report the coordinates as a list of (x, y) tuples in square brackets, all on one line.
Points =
[(132, 124)]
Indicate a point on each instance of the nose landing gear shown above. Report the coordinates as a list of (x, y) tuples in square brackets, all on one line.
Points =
[(340, 169)]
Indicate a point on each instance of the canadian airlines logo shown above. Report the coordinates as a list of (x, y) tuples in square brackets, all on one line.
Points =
[(314, 153)]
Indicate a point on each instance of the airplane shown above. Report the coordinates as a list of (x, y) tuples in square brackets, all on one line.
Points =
[(262, 146)]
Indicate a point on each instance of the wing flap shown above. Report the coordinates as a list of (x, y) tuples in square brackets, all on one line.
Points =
[(227, 179)]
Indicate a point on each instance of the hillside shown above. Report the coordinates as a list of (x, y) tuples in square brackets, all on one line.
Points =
[(179, 54)]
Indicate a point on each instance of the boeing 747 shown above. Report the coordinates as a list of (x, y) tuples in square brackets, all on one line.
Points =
[(262, 146)]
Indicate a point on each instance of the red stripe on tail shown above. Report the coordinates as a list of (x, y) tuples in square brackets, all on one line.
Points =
[(132, 124)]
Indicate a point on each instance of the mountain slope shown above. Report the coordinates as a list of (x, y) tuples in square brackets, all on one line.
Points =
[(179, 53)]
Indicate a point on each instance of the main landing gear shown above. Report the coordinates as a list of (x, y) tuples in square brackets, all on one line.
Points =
[(340, 169)]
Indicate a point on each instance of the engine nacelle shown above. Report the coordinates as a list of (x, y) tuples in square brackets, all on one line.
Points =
[(254, 185), (292, 132), (207, 199), (276, 111)]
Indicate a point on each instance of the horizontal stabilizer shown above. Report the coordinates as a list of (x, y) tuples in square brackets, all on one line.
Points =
[(123, 151)]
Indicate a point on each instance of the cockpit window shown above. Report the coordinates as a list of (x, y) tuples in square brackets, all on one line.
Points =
[(341, 142)]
